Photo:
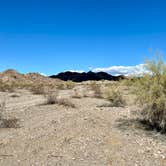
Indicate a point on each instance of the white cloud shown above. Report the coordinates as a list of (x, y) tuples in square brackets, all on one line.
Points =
[(123, 70), (43, 74), (78, 71)]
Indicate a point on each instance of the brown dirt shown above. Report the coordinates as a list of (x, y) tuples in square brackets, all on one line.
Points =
[(88, 135)]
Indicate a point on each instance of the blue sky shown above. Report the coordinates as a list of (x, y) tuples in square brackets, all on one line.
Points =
[(50, 36)]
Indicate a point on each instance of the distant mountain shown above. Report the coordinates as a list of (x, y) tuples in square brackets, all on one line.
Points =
[(79, 77)]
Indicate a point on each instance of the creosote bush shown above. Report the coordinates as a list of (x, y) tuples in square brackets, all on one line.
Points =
[(115, 98), (151, 94)]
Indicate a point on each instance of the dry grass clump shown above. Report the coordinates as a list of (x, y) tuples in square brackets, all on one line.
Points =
[(66, 85), (96, 88), (38, 89), (115, 98), (4, 87), (151, 95), (13, 86), (70, 85), (54, 99), (7, 122), (10, 123), (60, 86)]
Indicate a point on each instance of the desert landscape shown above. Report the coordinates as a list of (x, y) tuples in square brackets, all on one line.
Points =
[(82, 83), (52, 122)]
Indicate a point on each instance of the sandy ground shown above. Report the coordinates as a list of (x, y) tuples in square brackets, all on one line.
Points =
[(88, 135)]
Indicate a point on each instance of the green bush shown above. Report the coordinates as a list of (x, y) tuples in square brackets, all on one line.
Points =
[(151, 94), (115, 97)]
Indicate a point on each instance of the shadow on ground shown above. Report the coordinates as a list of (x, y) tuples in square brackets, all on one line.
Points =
[(139, 127)]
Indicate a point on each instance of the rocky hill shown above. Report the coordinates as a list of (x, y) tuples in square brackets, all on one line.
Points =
[(11, 76), (79, 77)]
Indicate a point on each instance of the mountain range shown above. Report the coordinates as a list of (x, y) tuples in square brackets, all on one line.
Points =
[(89, 76)]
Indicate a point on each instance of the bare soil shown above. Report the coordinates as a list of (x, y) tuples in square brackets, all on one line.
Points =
[(88, 135)]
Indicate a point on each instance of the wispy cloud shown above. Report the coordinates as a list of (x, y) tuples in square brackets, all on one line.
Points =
[(123, 70), (78, 71), (43, 74)]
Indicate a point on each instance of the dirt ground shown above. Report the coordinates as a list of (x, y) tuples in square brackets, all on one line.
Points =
[(88, 135)]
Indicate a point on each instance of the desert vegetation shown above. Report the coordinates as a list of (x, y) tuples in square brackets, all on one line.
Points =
[(53, 98), (96, 88), (65, 121), (151, 94), (66, 85), (115, 97), (4, 87), (38, 89), (5, 121)]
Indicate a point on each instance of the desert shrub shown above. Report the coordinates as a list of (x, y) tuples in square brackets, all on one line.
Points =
[(4, 87), (66, 85), (70, 85), (60, 86), (27, 86), (7, 122), (10, 123), (151, 94), (129, 81), (38, 89), (96, 88), (52, 99), (115, 98)]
